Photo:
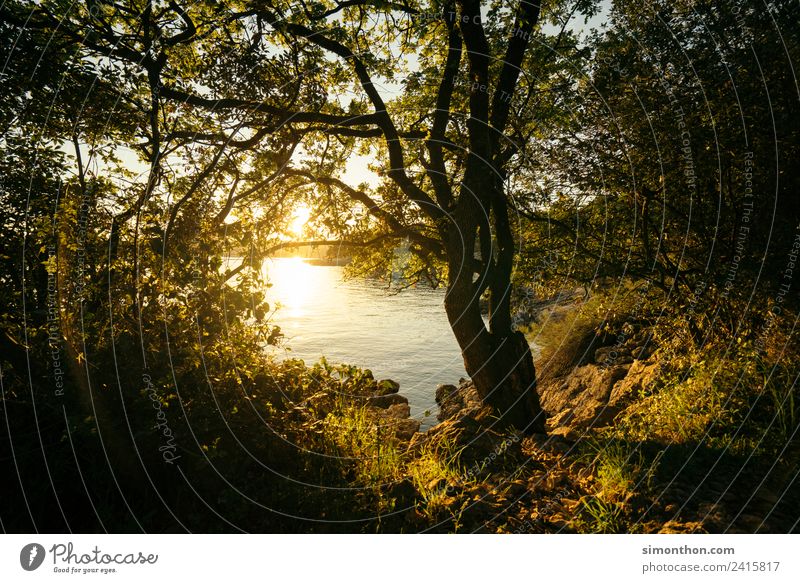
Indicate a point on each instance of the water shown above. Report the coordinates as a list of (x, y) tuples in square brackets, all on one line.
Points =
[(400, 336)]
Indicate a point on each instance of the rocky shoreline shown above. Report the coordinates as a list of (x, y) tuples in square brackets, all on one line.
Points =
[(590, 396), (504, 481), (545, 483)]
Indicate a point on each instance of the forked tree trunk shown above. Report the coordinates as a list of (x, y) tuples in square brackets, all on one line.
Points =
[(498, 358), (479, 241)]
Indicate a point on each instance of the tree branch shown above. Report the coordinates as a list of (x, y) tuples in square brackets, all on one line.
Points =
[(397, 167), (431, 245), (526, 19), (186, 34), (437, 173)]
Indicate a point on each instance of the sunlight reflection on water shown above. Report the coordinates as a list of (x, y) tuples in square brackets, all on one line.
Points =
[(402, 336)]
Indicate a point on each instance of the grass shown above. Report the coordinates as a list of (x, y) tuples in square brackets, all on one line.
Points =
[(371, 459), (704, 396), (436, 473), (621, 472), (356, 441), (601, 517), (569, 335), (780, 389), (619, 469), (566, 337)]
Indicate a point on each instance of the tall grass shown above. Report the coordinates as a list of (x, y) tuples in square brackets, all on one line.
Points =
[(437, 475)]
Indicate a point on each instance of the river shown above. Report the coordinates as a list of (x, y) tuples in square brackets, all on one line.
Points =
[(401, 336)]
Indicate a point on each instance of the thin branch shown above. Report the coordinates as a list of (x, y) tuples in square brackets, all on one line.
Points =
[(187, 34), (526, 19), (437, 173)]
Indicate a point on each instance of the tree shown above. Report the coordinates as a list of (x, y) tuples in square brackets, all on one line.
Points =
[(450, 165), (239, 92), (679, 159)]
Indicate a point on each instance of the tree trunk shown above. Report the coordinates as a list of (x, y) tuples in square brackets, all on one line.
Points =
[(498, 359), (500, 365)]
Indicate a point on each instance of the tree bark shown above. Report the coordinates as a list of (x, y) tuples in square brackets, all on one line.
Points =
[(498, 358), (499, 362)]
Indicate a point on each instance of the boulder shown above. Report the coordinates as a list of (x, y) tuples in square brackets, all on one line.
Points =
[(405, 429), (640, 378), (586, 384), (593, 395), (398, 410), (386, 387), (584, 398), (455, 401), (394, 421), (470, 434), (445, 393), (386, 401)]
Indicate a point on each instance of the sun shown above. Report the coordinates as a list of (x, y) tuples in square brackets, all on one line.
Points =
[(299, 220)]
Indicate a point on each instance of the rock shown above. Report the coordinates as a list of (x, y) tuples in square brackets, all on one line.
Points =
[(481, 448), (551, 443), (456, 401), (399, 411), (404, 491), (642, 352), (602, 354), (393, 419), (612, 355), (387, 387), (386, 401), (445, 392), (639, 378), (562, 419), (584, 398), (593, 395), (403, 429), (602, 415), (406, 429), (566, 433)]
